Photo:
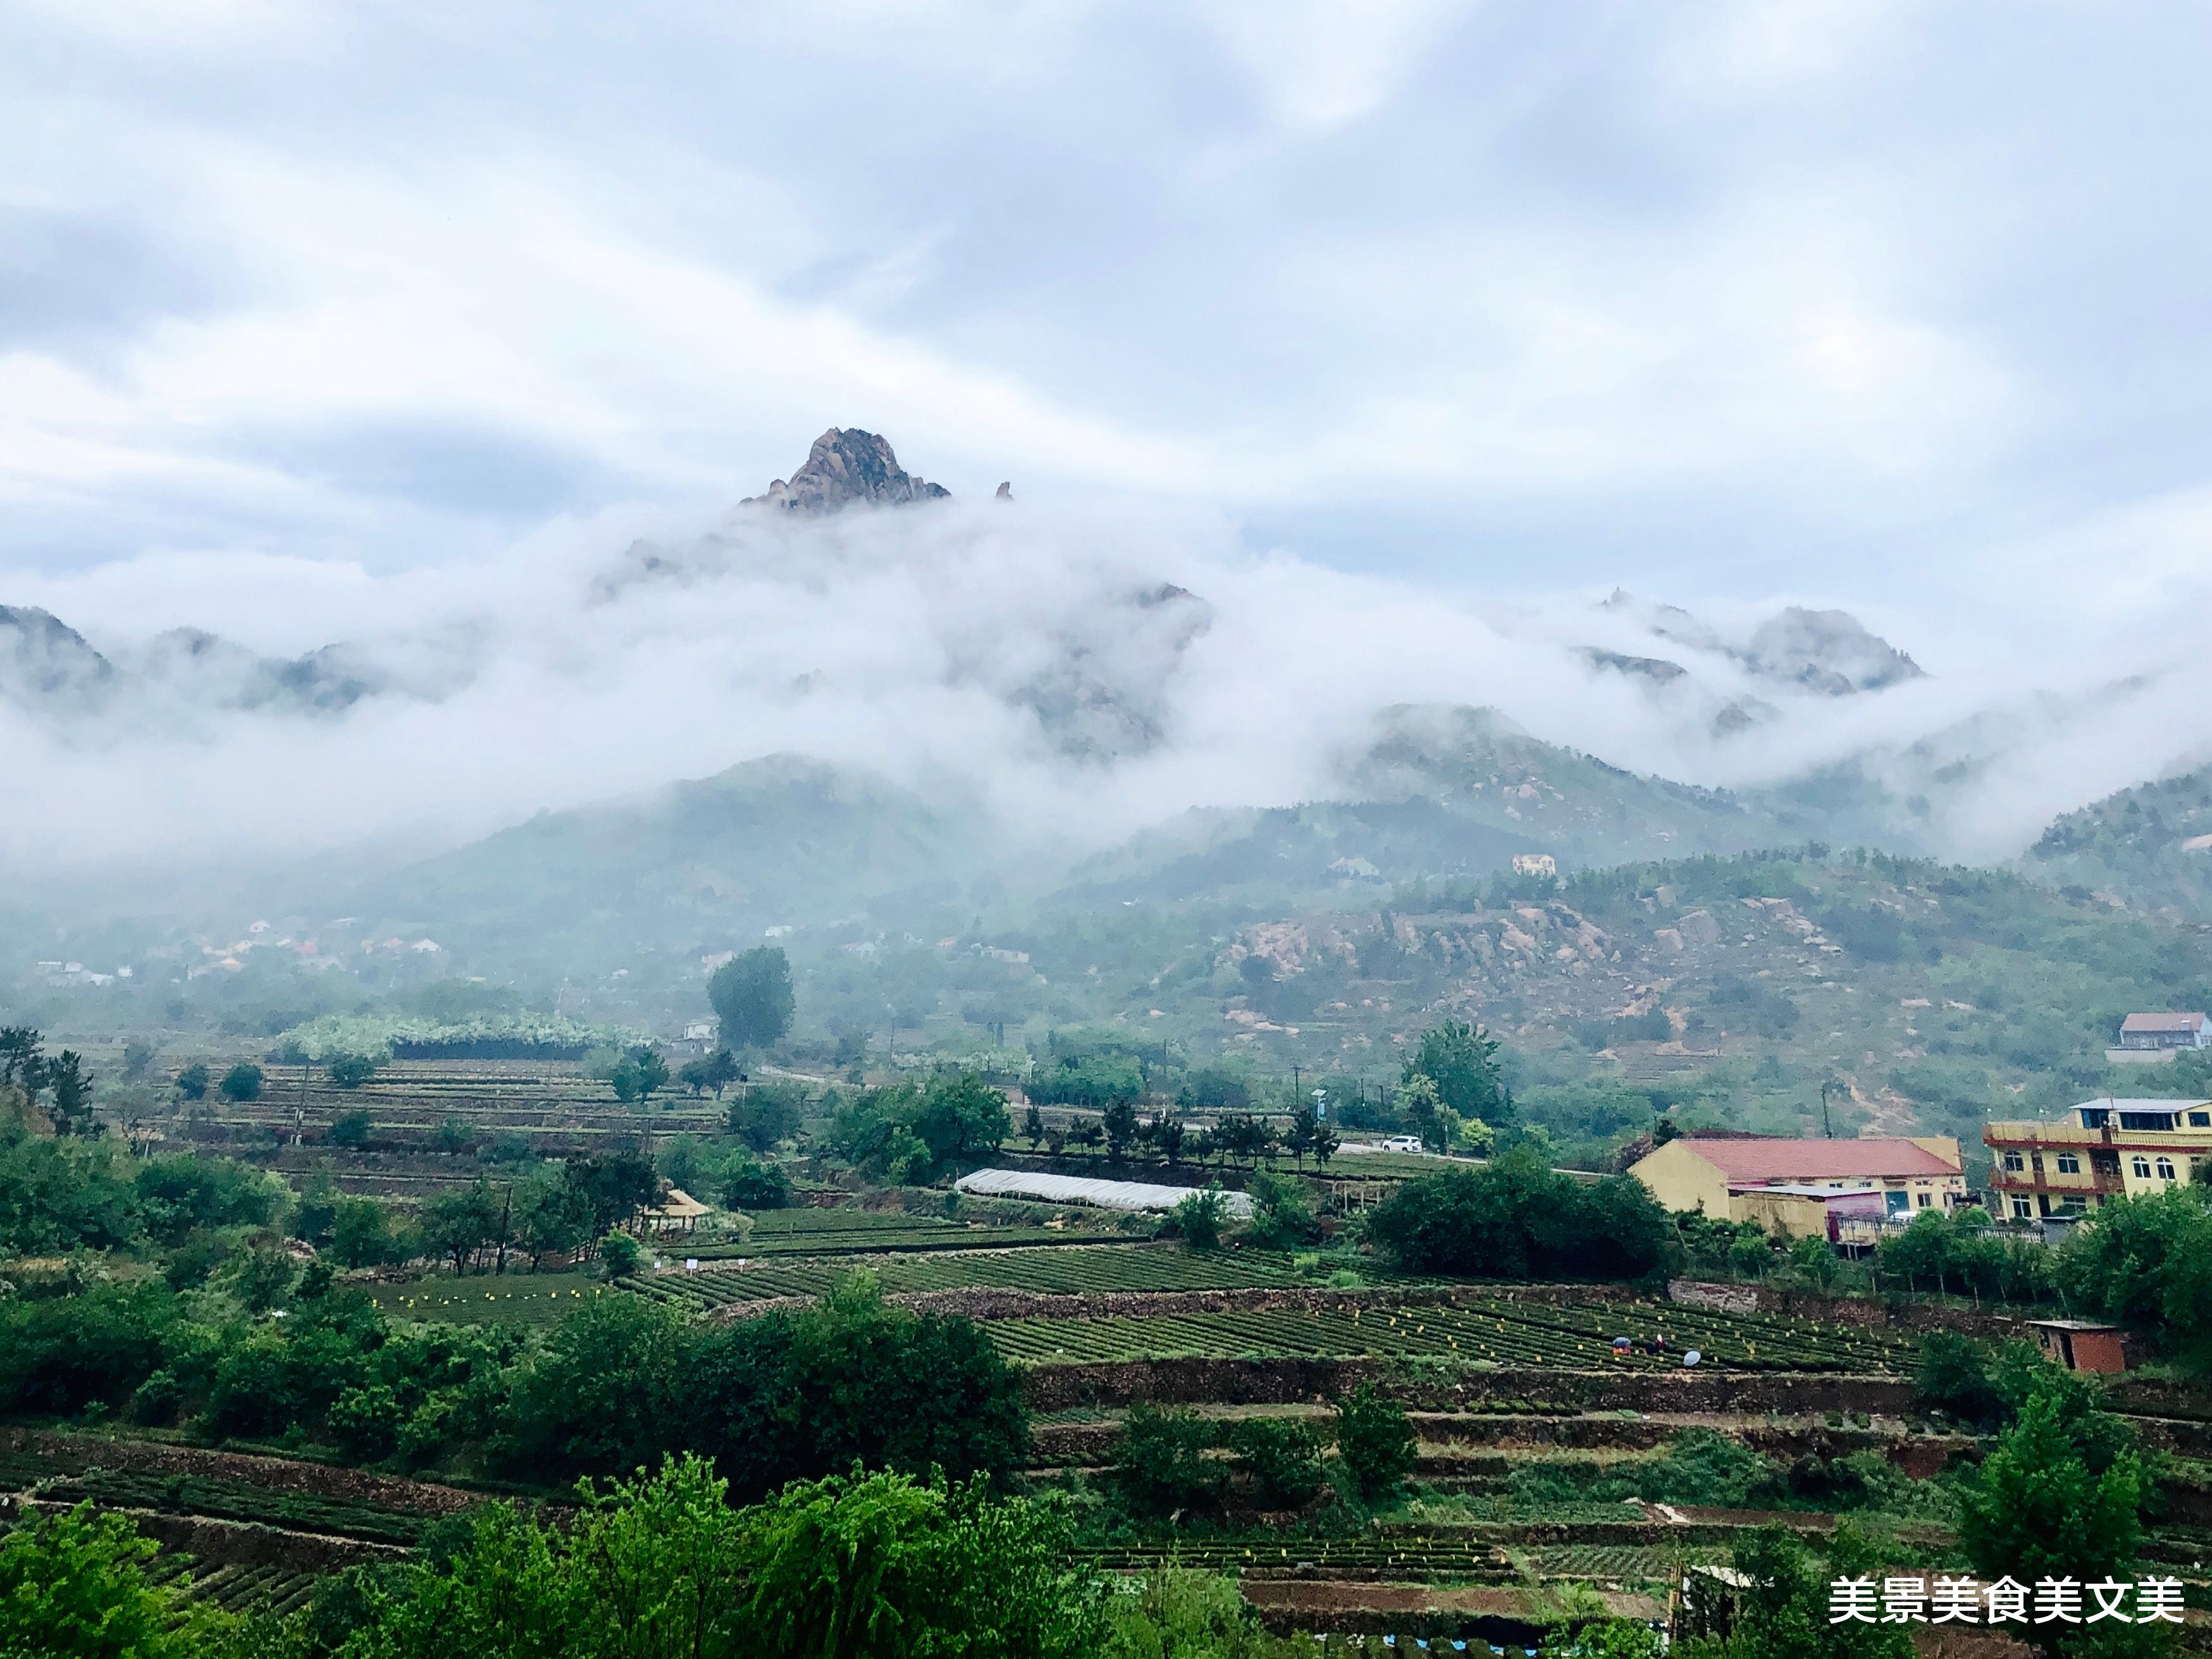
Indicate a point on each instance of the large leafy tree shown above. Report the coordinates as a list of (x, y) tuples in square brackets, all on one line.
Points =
[(1462, 1062), (2061, 1497), (74, 1584), (752, 997), (1516, 1218)]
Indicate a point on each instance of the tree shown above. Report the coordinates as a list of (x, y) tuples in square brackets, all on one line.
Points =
[(1170, 1135), (1119, 1121), (1375, 1443), (74, 1584), (1461, 1061), (611, 1189), (72, 1091), (350, 1130), (350, 1071), (137, 1060), (1033, 1127), (1781, 1609), (1516, 1218), (242, 1083), (751, 995), (1298, 1139), (361, 1233), (621, 1253), (21, 1061), (716, 1072), (1197, 1217), (1160, 1466), (459, 1224), (637, 1074), (191, 1083), (1280, 1456), (1325, 1140), (550, 1215), (1282, 1215), (768, 1114), (2062, 1495), (749, 1183), (960, 1115)]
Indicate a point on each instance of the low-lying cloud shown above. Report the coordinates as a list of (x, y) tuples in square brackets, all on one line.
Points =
[(1085, 676)]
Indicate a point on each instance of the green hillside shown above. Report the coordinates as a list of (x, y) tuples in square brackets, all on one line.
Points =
[(2150, 845)]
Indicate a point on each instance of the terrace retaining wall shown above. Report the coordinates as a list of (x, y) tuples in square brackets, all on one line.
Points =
[(1280, 1381), (73, 1454), (239, 1543)]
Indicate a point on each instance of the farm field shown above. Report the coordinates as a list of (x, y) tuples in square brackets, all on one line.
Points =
[(1099, 1270), (231, 1500), (892, 1235), (511, 1298), (1501, 1330), (266, 1588)]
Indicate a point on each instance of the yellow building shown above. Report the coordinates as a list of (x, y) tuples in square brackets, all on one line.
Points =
[(2101, 1149), (1786, 1183)]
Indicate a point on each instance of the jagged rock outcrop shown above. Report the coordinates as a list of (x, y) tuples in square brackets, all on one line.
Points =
[(1830, 651), (846, 465)]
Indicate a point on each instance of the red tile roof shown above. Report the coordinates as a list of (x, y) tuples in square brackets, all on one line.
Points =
[(1780, 1159), (2162, 1022)]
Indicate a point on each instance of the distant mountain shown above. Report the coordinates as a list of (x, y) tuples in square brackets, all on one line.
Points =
[(1483, 769), (1825, 652), (45, 663), (2150, 846), (848, 467), (779, 841)]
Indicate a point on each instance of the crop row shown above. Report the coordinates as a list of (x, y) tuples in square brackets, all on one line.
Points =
[(225, 1500), (268, 1587), (1503, 1332), (1460, 1558), (864, 1240), (1101, 1270)]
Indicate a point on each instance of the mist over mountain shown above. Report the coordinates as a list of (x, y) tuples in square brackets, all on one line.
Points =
[(1111, 701)]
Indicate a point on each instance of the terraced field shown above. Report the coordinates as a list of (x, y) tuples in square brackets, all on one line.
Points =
[(851, 1232), (506, 1299), (1501, 1330), (267, 1588), (1099, 1270), (231, 1500)]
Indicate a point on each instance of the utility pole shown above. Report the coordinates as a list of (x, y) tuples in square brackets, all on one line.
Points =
[(1826, 1129)]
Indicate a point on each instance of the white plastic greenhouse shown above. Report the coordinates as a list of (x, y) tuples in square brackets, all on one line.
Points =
[(1083, 1189)]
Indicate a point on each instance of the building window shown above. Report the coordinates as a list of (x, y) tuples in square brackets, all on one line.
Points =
[(2074, 1203), (2015, 1162), (2200, 1120), (1921, 1199), (2068, 1163), (2142, 1169), (2166, 1168), (2021, 1209)]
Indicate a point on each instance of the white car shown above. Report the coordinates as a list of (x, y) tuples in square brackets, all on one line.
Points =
[(1402, 1144)]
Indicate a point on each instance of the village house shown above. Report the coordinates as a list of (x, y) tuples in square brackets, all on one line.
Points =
[(1805, 1188), (2102, 1149), (2149, 1038)]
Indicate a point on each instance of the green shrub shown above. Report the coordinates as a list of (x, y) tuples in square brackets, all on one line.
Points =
[(1375, 1441), (1197, 1219), (621, 1253), (1282, 1458), (1160, 1464)]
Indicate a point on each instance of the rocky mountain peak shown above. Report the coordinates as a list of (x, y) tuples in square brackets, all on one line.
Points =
[(848, 465)]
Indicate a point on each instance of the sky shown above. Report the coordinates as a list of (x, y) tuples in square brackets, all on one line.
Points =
[(1734, 299), (1401, 330)]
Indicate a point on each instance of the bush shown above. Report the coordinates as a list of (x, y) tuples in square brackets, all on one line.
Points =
[(1375, 1443), (751, 1184), (1280, 1456), (622, 1254), (1283, 1216), (242, 1083), (350, 1130), (1160, 1464), (1197, 1219), (351, 1071), (364, 1422), (191, 1083), (1516, 1218)]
